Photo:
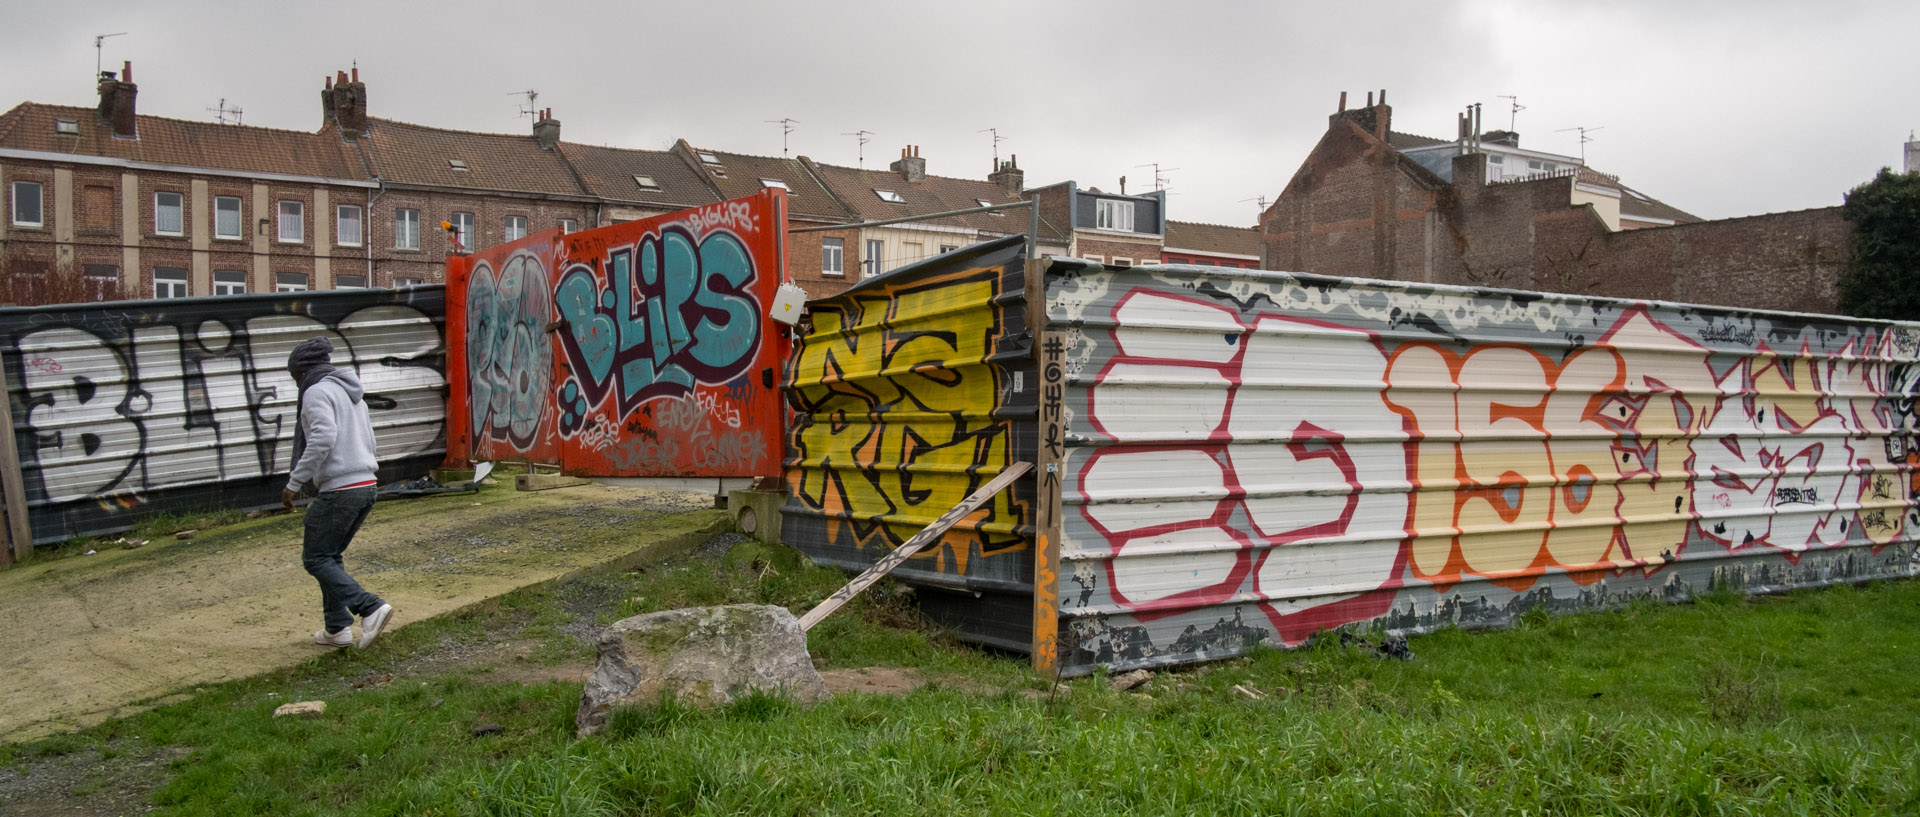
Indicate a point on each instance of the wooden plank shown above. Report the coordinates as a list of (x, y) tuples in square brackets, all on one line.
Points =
[(545, 482), (1046, 492), (19, 532), (926, 536)]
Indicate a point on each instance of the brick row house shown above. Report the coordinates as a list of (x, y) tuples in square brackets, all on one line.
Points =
[(1215, 245), (145, 206)]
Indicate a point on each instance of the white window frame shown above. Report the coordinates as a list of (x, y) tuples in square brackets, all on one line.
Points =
[(179, 209), (1113, 214), (568, 225), (39, 204), (175, 286), (406, 228), (513, 228), (833, 257), (230, 287), (870, 264), (463, 232), (239, 218), (646, 182), (295, 215), (281, 284), (1119, 261), (340, 225)]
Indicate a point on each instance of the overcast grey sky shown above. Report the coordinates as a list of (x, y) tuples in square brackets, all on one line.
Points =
[(1719, 108)]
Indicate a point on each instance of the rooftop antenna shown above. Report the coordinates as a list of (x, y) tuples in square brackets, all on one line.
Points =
[(1159, 180), (862, 136), (786, 127), (530, 112), (221, 113), (997, 139), (1584, 139), (1513, 116), (97, 40), (1261, 202)]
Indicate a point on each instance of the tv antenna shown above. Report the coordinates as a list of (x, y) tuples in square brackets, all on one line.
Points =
[(786, 128), (1584, 138), (1513, 116), (221, 113), (1260, 200), (997, 139), (98, 39), (530, 112), (1159, 180), (862, 135)]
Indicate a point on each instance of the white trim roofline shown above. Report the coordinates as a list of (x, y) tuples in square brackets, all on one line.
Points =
[(109, 161), (1212, 253)]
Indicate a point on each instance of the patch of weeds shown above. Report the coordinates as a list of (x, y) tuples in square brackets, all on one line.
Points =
[(1739, 698), (628, 722)]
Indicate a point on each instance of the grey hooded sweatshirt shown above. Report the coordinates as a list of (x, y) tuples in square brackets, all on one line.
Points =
[(339, 450)]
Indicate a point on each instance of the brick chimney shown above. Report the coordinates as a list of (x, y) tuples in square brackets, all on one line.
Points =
[(1376, 119), (116, 102), (345, 104), (1010, 177), (546, 131), (910, 166)]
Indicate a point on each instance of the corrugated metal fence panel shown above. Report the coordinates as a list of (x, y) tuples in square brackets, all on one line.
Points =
[(637, 349), (128, 409), (912, 390), (1257, 456)]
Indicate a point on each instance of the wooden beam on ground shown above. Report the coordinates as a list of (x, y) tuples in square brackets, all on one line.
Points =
[(926, 536), (543, 482)]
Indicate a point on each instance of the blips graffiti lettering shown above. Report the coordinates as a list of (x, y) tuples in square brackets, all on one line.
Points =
[(122, 411)]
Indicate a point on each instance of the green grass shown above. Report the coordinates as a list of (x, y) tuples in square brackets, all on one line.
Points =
[(1802, 704)]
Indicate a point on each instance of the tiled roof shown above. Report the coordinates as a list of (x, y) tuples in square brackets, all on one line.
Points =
[(1635, 204), (416, 154), (742, 175), (1212, 238), (30, 126), (1408, 141), (609, 173), (932, 194)]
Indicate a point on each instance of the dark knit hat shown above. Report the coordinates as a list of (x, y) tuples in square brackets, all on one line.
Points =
[(310, 353)]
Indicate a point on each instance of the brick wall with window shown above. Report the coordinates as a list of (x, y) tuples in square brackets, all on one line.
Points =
[(805, 255), (426, 261)]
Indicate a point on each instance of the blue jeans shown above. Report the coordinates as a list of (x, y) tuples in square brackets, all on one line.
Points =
[(332, 520)]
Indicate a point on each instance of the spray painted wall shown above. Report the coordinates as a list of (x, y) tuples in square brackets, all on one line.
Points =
[(1253, 457), (912, 390), (127, 409), (637, 349)]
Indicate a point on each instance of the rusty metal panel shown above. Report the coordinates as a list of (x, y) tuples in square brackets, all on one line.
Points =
[(634, 350), (1253, 457), (128, 409), (910, 391)]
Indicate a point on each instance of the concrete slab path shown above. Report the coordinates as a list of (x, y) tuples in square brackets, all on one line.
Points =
[(91, 637)]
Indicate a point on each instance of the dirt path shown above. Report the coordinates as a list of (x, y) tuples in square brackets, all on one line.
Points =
[(93, 637)]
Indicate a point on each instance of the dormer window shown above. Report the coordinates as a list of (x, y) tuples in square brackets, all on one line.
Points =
[(646, 182), (889, 196), (707, 157), (68, 127), (775, 183), (458, 165)]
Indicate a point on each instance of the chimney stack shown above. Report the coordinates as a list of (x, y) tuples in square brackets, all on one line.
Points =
[(116, 102), (910, 166), (546, 130), (1012, 180), (345, 104)]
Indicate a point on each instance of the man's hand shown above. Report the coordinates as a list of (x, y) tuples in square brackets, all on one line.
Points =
[(286, 498)]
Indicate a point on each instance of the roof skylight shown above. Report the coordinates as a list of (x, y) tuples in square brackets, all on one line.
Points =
[(646, 182), (889, 196), (458, 164)]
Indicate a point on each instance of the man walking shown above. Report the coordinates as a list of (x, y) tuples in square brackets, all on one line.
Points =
[(333, 457)]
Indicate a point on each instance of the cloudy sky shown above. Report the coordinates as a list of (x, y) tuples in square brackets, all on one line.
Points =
[(1719, 108)]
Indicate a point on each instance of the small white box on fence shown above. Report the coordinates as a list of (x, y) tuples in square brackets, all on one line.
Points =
[(788, 302)]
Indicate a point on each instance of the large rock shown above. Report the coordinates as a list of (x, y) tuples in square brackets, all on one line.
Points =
[(701, 656)]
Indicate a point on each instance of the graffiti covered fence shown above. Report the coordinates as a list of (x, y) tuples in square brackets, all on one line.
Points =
[(638, 349), (126, 409)]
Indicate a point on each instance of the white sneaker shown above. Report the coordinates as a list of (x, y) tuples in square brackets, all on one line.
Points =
[(372, 623), (344, 638)]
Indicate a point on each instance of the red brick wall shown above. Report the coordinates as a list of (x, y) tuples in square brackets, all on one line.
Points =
[(803, 261)]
